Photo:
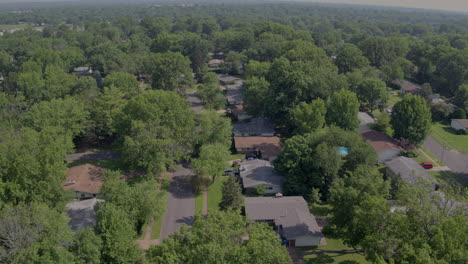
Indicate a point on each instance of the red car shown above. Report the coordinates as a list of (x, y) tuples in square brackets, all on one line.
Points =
[(427, 165)]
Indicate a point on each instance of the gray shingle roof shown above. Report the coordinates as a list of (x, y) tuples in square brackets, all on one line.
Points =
[(256, 172), (290, 212), (409, 170), (82, 214), (254, 127), (463, 122)]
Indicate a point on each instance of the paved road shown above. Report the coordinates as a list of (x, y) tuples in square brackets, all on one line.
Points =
[(180, 203), (457, 162)]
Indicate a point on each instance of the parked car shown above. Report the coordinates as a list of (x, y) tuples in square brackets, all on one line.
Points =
[(427, 165), (229, 171)]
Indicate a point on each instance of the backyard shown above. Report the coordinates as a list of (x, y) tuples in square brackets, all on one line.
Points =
[(446, 136)]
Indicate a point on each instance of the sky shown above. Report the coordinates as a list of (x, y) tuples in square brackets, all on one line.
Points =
[(454, 5)]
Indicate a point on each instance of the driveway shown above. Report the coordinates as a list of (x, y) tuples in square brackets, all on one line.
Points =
[(457, 162), (180, 203), (89, 155)]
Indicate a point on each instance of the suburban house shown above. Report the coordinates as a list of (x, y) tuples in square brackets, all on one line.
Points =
[(235, 92), (459, 124), (257, 126), (409, 171), (267, 147), (85, 180), (386, 147), (289, 216), (215, 63), (408, 87), (194, 101), (238, 112), (82, 214), (365, 120), (83, 71), (256, 172)]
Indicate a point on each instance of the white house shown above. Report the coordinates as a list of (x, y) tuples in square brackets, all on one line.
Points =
[(460, 124)]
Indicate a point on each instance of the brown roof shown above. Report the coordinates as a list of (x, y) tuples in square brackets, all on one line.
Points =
[(379, 140), (463, 122), (84, 178), (269, 146), (408, 86)]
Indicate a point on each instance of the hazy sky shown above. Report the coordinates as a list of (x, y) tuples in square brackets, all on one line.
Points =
[(456, 5)]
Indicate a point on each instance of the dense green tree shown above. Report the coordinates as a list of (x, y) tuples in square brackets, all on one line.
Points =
[(117, 234), (232, 194), (371, 92), (312, 160), (346, 196), (350, 57), (212, 161), (210, 93), (441, 111), (233, 62), (87, 247), (342, 110), (459, 113), (105, 108), (32, 167), (34, 234), (125, 82), (383, 123), (69, 115), (219, 238), (212, 128), (257, 69), (381, 50), (256, 95), (170, 71), (306, 118), (157, 128), (461, 97), (411, 119)]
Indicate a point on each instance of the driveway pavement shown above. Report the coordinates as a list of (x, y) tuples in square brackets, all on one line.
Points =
[(180, 203), (90, 155), (457, 162)]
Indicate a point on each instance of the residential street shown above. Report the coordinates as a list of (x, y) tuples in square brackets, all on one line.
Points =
[(180, 203), (457, 162)]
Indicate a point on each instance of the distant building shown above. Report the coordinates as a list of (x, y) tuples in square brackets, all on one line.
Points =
[(238, 112), (268, 147), (289, 216), (409, 171), (386, 147), (215, 63), (256, 172), (83, 71), (235, 92), (408, 87), (194, 101), (82, 214), (459, 124), (85, 180), (257, 126)]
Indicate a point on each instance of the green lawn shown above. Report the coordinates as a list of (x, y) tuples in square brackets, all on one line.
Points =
[(235, 156), (22, 26), (199, 203), (159, 219), (334, 244), (445, 135), (447, 177), (215, 193), (393, 99), (115, 164)]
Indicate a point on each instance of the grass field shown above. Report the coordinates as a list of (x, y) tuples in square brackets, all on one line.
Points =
[(334, 244), (447, 177), (157, 224), (215, 194), (199, 203), (115, 164), (393, 99), (445, 135)]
